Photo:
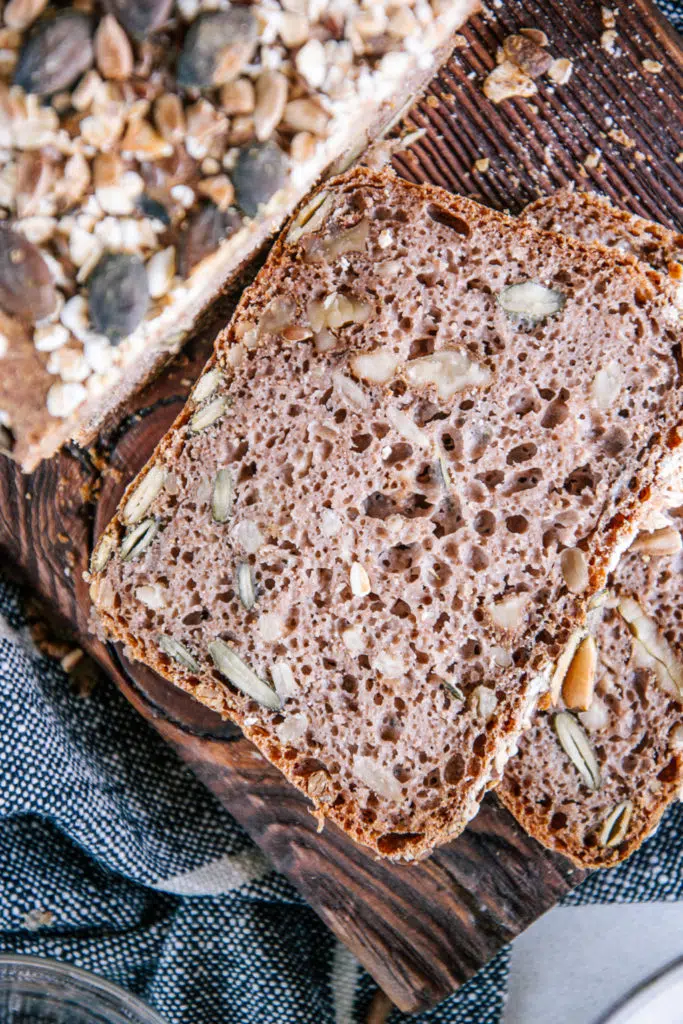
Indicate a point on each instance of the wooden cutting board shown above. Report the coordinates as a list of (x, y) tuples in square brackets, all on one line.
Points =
[(615, 126)]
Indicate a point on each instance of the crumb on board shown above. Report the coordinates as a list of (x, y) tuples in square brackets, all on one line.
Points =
[(520, 59)]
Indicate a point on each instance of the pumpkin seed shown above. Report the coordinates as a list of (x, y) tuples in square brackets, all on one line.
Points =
[(55, 54), (26, 286), (206, 386), (575, 744), (118, 295), (216, 48), (143, 495), (229, 664), (208, 414), (260, 170), (138, 539), (203, 233), (140, 17), (222, 497), (616, 824), (174, 649)]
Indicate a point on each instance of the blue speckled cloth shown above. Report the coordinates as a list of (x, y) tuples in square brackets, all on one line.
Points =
[(114, 858)]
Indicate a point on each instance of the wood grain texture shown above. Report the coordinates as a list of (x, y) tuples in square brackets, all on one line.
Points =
[(420, 930)]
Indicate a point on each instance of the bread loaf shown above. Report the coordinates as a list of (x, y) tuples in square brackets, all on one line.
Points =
[(147, 151), (393, 492), (632, 688)]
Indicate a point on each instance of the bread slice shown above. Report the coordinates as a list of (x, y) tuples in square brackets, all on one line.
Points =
[(144, 160), (392, 493), (634, 724), (592, 218)]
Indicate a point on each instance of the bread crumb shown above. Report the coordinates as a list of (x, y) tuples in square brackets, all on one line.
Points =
[(622, 138), (482, 164), (507, 81), (560, 71), (459, 42), (608, 41), (593, 159), (653, 66), (609, 17), (70, 660), (679, 158)]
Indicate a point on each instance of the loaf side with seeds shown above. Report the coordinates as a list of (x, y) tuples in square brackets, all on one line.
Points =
[(147, 151), (626, 700), (426, 483)]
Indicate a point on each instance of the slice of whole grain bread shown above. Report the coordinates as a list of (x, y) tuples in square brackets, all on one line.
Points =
[(634, 723), (392, 494)]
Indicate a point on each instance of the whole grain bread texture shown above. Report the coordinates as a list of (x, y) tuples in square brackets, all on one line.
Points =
[(592, 218), (147, 152), (626, 694), (393, 492)]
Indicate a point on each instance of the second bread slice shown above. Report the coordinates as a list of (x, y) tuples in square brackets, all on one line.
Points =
[(379, 517)]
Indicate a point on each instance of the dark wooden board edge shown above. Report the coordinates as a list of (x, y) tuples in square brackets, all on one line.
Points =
[(420, 930)]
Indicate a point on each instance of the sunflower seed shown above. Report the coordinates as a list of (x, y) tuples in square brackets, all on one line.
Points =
[(174, 649), (143, 495), (575, 744), (138, 539), (259, 172), (139, 18), (26, 286), (118, 295), (616, 824), (203, 233), (245, 585), (209, 414), (579, 682), (19, 14), (55, 54), (206, 385), (103, 552), (216, 48), (229, 664), (271, 97), (575, 570), (531, 302), (666, 541), (113, 52)]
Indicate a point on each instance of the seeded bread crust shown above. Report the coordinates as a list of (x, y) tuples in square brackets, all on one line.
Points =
[(74, 397), (411, 545), (635, 725)]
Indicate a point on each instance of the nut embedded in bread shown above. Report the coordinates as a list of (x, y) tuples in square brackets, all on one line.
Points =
[(405, 475)]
